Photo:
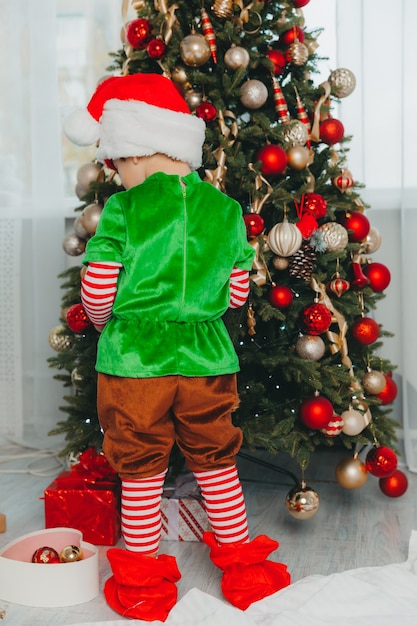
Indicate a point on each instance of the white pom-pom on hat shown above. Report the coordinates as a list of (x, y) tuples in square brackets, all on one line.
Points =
[(81, 128)]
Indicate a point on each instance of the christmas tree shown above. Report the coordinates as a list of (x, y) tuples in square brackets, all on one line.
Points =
[(309, 346)]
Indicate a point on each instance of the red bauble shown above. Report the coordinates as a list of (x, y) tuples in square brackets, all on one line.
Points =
[(365, 330), (331, 131), (254, 224), (389, 392), (281, 296), (379, 276), (316, 319), (156, 48), (289, 36), (138, 33), (357, 223), (273, 159), (338, 286), (206, 111), (278, 59), (314, 204), (77, 318), (381, 461), (316, 412), (300, 3), (45, 555), (395, 485)]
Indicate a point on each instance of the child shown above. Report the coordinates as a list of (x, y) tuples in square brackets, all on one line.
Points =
[(169, 256)]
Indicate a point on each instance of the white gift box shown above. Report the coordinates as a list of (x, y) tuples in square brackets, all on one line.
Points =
[(53, 584)]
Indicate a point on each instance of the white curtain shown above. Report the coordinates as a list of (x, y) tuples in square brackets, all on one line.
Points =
[(373, 38)]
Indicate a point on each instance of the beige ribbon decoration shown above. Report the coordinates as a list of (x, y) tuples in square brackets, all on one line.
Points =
[(217, 176), (315, 130), (170, 17), (258, 203), (259, 264)]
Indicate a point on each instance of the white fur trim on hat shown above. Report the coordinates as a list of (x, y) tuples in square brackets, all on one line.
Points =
[(133, 128), (81, 128)]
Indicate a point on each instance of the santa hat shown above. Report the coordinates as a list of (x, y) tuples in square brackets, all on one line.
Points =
[(138, 115)]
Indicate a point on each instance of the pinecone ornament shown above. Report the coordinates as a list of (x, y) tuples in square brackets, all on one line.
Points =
[(302, 263)]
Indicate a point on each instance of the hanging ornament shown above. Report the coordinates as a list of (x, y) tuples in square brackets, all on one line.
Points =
[(236, 58), (379, 276), (45, 555), (73, 245), (335, 236), (194, 98), (351, 473), (206, 111), (302, 116), (315, 319), (300, 3), (284, 239), (338, 286), (355, 222), (138, 33), (223, 9), (381, 461), (253, 94), (180, 77), (254, 224), (209, 34), (334, 427), (298, 157), (343, 181), (87, 174), (156, 49), (373, 381), (70, 554), (302, 502), (280, 104), (58, 340), (90, 217), (303, 262), (295, 134), (77, 318), (342, 82), (281, 296), (316, 412), (251, 321), (313, 204), (280, 263), (278, 61), (365, 330), (289, 36), (310, 347), (307, 225), (79, 229), (273, 160), (372, 241), (297, 54), (331, 131), (389, 392), (353, 422), (195, 50), (359, 279), (76, 379), (395, 485)]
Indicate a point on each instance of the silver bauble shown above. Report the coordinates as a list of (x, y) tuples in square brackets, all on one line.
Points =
[(73, 245), (302, 502), (372, 241), (280, 262), (351, 473), (194, 98), (342, 82), (87, 174), (79, 229), (297, 53), (335, 236), (298, 157), (90, 217), (374, 382), (236, 57), (353, 422), (310, 347), (195, 50), (296, 134), (57, 338), (253, 94), (179, 76)]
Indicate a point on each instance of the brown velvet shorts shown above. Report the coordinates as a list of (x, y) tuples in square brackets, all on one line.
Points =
[(142, 418)]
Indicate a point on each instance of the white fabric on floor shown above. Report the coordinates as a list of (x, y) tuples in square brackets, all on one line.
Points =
[(385, 595)]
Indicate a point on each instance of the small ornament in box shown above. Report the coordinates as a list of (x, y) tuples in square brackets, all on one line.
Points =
[(184, 517)]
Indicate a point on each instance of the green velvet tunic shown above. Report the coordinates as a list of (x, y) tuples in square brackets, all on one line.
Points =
[(178, 240)]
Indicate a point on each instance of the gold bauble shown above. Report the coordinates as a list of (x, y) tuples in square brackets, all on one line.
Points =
[(297, 157), (90, 217), (296, 134), (57, 338), (297, 53), (280, 263), (195, 50), (194, 98), (73, 245), (342, 82), (351, 473), (236, 57), (310, 347), (79, 229), (70, 554), (374, 382), (335, 236), (353, 422), (87, 174), (302, 502), (253, 94), (223, 9), (179, 76), (372, 241)]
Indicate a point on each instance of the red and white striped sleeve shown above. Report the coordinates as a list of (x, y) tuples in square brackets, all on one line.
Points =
[(98, 291), (239, 287)]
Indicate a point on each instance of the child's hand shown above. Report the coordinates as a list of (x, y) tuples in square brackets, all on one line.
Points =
[(98, 328), (83, 271)]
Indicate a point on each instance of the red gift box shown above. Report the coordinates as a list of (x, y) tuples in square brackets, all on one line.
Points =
[(88, 501)]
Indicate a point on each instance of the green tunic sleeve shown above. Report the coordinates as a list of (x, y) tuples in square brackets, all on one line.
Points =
[(109, 240)]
